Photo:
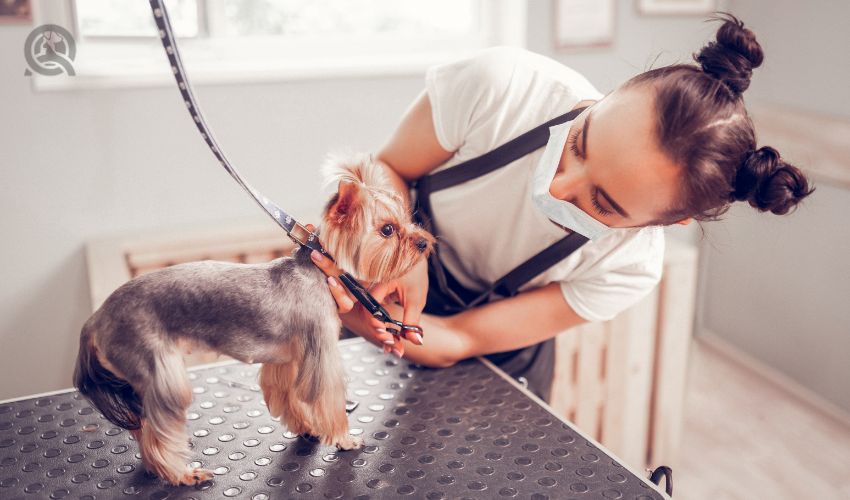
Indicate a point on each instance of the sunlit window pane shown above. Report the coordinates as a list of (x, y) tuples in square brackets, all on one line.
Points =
[(349, 18), (130, 18)]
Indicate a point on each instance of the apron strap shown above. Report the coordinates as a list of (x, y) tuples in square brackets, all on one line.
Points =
[(508, 152), (509, 284)]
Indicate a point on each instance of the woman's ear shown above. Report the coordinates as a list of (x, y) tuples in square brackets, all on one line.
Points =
[(685, 222)]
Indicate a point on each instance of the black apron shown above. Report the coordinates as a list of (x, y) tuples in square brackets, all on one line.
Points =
[(533, 366)]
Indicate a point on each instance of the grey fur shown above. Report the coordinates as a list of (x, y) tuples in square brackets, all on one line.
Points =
[(242, 310)]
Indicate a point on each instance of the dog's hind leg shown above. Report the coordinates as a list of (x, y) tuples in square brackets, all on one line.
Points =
[(163, 440)]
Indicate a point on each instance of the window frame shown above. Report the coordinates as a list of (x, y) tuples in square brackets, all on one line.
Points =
[(118, 62)]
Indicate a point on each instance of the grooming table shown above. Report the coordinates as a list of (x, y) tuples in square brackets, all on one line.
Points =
[(468, 431)]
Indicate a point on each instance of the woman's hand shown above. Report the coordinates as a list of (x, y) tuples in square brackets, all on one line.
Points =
[(410, 290)]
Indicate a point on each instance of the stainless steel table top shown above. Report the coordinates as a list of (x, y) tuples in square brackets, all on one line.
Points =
[(468, 431)]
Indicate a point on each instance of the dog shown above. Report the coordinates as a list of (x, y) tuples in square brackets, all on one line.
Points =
[(279, 313)]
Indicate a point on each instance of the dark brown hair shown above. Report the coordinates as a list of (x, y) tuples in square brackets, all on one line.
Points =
[(704, 126)]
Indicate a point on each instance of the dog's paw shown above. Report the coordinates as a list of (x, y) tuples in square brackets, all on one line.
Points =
[(196, 476), (349, 443)]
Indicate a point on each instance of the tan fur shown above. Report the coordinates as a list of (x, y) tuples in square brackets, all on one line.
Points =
[(163, 444)]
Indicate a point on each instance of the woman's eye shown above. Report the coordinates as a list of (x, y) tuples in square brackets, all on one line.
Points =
[(596, 205), (572, 140), (387, 230)]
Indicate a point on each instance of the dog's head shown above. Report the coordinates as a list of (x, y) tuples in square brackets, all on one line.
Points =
[(366, 226)]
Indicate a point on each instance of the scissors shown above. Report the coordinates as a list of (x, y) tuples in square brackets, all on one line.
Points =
[(375, 308)]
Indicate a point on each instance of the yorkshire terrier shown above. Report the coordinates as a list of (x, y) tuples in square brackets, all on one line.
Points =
[(280, 314)]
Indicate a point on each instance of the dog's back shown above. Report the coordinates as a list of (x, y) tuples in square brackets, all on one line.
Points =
[(240, 310)]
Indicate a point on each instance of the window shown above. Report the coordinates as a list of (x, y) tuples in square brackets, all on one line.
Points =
[(250, 40)]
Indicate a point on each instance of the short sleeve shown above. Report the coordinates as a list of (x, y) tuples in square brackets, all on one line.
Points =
[(618, 281), (464, 93)]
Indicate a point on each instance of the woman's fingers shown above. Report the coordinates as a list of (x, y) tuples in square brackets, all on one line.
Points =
[(381, 290), (344, 302), (377, 333), (325, 264)]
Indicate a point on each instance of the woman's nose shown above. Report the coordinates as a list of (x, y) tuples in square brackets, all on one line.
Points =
[(568, 184)]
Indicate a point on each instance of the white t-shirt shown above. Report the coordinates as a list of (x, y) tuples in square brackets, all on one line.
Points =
[(490, 225)]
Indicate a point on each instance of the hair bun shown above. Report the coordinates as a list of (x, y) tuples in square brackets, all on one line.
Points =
[(768, 183), (732, 58)]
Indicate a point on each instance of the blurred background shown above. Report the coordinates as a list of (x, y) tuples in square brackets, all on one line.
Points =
[(763, 411)]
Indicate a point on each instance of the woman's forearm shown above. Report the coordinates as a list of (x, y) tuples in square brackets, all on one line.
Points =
[(443, 346), (499, 326)]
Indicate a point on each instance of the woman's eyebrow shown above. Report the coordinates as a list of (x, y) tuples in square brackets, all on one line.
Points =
[(613, 203), (584, 131)]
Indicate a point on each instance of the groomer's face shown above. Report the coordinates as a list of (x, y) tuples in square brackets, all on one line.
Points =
[(612, 167)]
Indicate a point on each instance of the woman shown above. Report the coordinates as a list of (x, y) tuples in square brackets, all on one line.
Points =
[(516, 160)]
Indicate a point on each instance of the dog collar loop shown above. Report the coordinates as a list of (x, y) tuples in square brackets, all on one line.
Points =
[(301, 236)]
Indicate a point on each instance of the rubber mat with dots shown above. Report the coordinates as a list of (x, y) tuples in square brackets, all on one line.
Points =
[(459, 432)]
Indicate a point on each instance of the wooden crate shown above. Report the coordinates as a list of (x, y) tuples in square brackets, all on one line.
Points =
[(621, 381), (116, 259)]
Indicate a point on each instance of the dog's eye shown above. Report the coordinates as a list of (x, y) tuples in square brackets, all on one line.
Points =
[(387, 230)]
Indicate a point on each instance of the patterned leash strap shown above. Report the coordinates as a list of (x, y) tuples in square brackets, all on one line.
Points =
[(294, 230), (297, 232)]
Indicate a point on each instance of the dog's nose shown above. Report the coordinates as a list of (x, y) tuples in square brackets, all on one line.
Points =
[(421, 244)]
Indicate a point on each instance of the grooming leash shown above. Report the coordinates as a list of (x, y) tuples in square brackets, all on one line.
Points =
[(296, 231)]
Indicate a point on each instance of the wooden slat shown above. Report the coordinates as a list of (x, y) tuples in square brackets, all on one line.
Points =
[(256, 258), (114, 260), (629, 381), (565, 374), (221, 250), (591, 388), (672, 353), (617, 397)]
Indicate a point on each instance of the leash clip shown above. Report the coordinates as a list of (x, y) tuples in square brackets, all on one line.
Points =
[(303, 237)]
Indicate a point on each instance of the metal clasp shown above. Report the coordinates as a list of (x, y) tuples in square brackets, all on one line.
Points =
[(299, 234)]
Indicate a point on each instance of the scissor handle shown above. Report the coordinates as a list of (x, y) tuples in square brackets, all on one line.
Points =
[(374, 307), (363, 296)]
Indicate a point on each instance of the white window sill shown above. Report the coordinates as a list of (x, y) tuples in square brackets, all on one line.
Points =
[(119, 74), (132, 63)]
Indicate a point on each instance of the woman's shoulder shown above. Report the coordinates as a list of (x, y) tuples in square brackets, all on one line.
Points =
[(525, 68), (627, 246), (504, 68)]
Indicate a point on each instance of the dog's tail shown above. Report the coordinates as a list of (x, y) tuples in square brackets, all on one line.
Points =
[(112, 396)]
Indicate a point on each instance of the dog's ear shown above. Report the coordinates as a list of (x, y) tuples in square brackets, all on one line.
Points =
[(346, 200)]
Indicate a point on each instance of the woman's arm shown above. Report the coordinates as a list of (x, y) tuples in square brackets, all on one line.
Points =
[(413, 150), (526, 319), (531, 317)]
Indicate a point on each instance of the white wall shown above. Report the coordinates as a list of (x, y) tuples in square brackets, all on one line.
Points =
[(79, 164), (779, 287)]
